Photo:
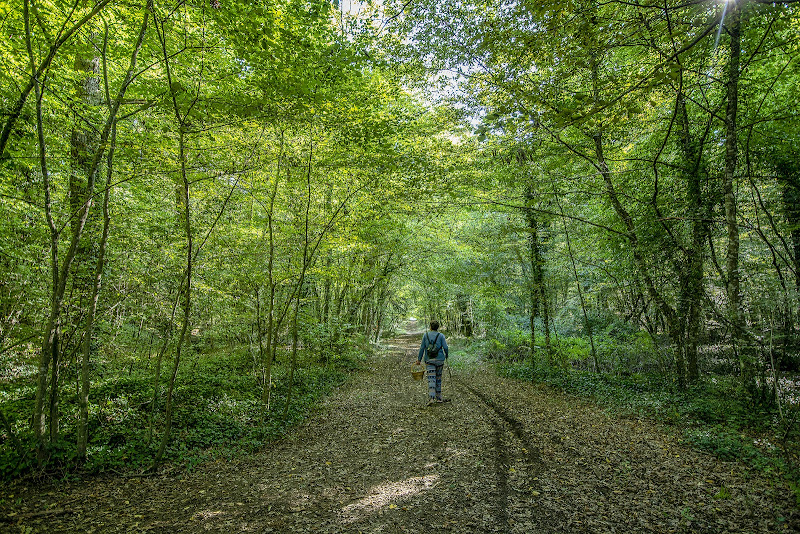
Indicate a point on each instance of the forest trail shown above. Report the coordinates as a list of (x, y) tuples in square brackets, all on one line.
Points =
[(504, 456)]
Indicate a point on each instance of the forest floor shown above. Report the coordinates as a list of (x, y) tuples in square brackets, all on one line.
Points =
[(503, 456)]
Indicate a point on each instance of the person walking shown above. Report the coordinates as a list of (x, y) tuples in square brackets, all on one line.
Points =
[(435, 351)]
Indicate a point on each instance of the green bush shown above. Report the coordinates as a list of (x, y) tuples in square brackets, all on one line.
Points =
[(512, 343), (572, 352), (217, 411), (326, 341)]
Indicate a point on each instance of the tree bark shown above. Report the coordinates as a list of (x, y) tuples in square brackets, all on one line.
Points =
[(184, 218), (534, 257), (50, 338), (301, 280), (167, 332), (691, 297), (588, 323), (271, 328), (83, 401), (788, 171), (83, 144), (733, 284), (187, 303)]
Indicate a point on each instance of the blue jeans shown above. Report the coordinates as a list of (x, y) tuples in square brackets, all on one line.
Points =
[(434, 368)]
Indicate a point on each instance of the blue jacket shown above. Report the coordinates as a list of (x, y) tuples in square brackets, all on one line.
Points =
[(441, 343)]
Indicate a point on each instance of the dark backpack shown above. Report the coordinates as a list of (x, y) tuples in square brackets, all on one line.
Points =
[(432, 351)]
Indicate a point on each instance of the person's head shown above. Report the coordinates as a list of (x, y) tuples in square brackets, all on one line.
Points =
[(434, 325)]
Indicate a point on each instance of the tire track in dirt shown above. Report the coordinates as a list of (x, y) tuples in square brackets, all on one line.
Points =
[(533, 456), (501, 462), (503, 424)]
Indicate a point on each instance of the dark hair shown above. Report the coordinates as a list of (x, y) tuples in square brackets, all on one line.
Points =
[(434, 325)]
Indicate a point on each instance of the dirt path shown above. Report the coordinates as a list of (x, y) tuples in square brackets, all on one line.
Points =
[(504, 456)]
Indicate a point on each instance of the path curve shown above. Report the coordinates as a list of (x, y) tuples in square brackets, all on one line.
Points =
[(504, 456)]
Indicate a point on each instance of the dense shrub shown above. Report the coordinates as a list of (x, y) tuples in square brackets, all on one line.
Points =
[(217, 411)]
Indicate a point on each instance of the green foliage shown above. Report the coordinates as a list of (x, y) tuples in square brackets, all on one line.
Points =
[(724, 444), (573, 179), (465, 354), (298, 149), (572, 351), (508, 344), (218, 413), (723, 494), (603, 145), (327, 341)]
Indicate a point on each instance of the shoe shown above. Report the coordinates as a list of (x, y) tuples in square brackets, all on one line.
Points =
[(442, 400), (431, 401)]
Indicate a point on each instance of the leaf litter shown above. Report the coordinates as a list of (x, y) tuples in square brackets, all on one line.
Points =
[(504, 456)]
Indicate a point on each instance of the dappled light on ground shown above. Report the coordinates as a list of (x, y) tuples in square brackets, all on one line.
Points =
[(388, 494), (207, 514)]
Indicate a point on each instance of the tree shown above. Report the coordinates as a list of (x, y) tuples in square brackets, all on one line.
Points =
[(630, 94)]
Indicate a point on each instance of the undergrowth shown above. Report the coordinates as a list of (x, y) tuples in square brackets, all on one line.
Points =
[(218, 413)]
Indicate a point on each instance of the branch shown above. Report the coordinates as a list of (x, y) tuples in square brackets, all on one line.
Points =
[(16, 109)]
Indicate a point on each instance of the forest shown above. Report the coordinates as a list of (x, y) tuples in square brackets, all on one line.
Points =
[(213, 213)]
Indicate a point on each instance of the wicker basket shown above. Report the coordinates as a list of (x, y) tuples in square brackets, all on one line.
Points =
[(417, 372)]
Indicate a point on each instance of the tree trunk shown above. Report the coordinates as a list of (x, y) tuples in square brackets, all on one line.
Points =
[(666, 311), (326, 291), (731, 155), (301, 280), (586, 320), (258, 364), (271, 329), (534, 257), (167, 332), (36, 71), (543, 305), (83, 419), (59, 275), (183, 217), (381, 303), (788, 172), (187, 300), (698, 209), (83, 144)]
